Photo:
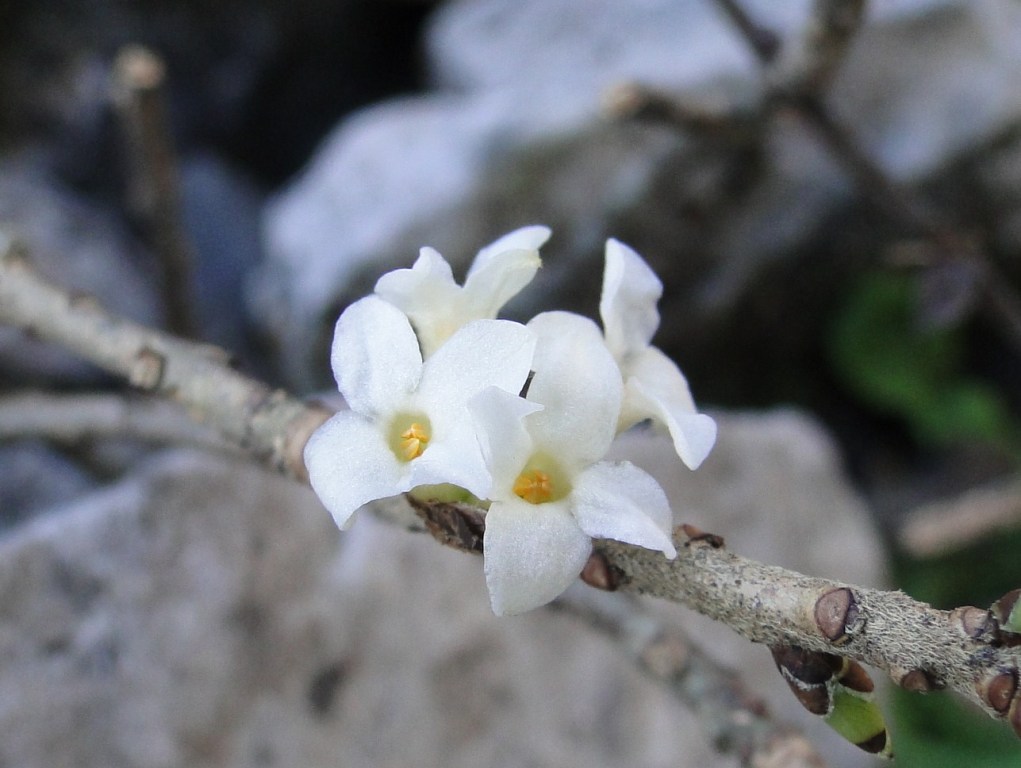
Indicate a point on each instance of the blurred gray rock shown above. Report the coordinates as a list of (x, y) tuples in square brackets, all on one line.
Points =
[(204, 613), (81, 247), (141, 621), (575, 49), (514, 136), (35, 477), (930, 80)]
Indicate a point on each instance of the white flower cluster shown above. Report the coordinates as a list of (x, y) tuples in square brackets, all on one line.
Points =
[(433, 383)]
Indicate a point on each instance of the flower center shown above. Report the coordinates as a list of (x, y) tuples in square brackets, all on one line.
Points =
[(541, 480), (413, 441), (534, 486), (409, 436)]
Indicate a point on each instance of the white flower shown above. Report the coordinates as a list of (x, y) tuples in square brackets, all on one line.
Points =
[(550, 491), (408, 424), (654, 386), (438, 307)]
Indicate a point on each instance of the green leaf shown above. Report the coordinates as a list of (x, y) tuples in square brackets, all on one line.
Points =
[(858, 719), (882, 354)]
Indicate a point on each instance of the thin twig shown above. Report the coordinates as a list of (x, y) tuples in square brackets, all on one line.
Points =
[(633, 101), (73, 419), (270, 424), (154, 187), (829, 34), (949, 526), (736, 720), (764, 42), (831, 28), (891, 198)]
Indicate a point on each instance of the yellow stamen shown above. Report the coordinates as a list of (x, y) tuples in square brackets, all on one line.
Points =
[(534, 486), (413, 441)]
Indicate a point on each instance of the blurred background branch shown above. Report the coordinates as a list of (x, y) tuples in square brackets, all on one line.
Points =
[(71, 419), (732, 716), (154, 187)]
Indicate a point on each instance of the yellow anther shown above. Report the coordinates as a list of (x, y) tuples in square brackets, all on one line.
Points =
[(534, 486), (413, 441)]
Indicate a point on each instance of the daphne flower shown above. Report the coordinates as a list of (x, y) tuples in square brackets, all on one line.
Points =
[(551, 492), (408, 424), (437, 306), (654, 386)]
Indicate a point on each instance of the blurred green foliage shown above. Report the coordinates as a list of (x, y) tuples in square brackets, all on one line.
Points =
[(938, 730), (884, 355), (900, 367)]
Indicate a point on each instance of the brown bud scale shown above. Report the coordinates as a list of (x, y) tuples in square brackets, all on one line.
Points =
[(697, 536), (856, 678), (599, 573), (918, 681), (875, 744), (1002, 612), (1003, 607), (999, 691), (808, 667), (835, 612), (455, 525), (815, 699), (973, 622)]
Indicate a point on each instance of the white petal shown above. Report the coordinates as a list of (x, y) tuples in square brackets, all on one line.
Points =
[(350, 464), (485, 353), (526, 238), (628, 301), (454, 456), (660, 375), (622, 502), (499, 280), (578, 381), (506, 444), (428, 295), (533, 553), (657, 389), (375, 357), (415, 290)]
